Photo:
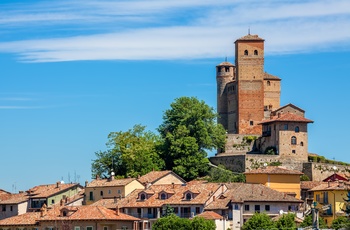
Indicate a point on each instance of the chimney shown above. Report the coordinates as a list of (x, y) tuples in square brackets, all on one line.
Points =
[(58, 184), (117, 210), (61, 202), (173, 184), (43, 210)]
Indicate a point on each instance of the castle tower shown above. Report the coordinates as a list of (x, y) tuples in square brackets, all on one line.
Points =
[(225, 74), (249, 53)]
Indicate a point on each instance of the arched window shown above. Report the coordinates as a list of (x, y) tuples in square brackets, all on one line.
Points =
[(255, 52), (245, 52), (268, 83), (293, 140), (142, 197), (188, 196), (163, 196), (101, 193), (297, 129), (301, 143)]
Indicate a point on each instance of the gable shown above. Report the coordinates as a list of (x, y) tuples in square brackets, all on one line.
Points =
[(290, 108)]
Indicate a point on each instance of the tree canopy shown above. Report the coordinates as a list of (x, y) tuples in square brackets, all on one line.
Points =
[(341, 222), (258, 221), (286, 221), (173, 222), (129, 153), (308, 222), (189, 128)]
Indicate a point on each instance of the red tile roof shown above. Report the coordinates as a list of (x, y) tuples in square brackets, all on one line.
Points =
[(110, 183), (44, 191), (225, 64), (287, 117), (274, 170), (87, 213), (268, 76), (330, 186), (29, 218), (204, 189), (153, 176), (309, 184), (15, 198), (250, 37), (210, 215)]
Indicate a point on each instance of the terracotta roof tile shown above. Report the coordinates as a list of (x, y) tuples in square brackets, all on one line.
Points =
[(330, 186), (225, 64), (15, 198), (309, 184), (210, 215), (268, 76), (204, 189), (110, 183), (107, 203), (287, 117), (48, 190), (250, 37), (274, 170), (153, 176), (29, 218)]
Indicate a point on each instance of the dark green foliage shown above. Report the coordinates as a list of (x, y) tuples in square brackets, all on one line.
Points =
[(341, 222), (221, 174), (347, 206), (173, 222), (130, 153), (258, 221), (304, 178), (189, 128), (271, 150), (286, 222), (308, 222), (168, 210)]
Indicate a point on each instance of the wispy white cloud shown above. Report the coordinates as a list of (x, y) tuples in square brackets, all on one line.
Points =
[(185, 29)]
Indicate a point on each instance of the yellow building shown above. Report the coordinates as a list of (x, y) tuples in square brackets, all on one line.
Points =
[(330, 199), (277, 178)]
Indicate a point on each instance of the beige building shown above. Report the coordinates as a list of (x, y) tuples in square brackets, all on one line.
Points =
[(110, 189)]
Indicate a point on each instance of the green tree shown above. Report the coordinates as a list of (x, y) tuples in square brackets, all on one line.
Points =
[(172, 222), (129, 153), (347, 206), (308, 222), (168, 210), (221, 174), (189, 129), (341, 222), (287, 221), (258, 221), (199, 223)]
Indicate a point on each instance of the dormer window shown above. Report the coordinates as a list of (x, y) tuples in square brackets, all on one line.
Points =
[(163, 196), (188, 196), (142, 196)]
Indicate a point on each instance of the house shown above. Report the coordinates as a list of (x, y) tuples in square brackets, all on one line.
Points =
[(109, 188), (80, 217), (51, 194), (306, 194), (278, 178), (220, 222), (329, 198), (337, 177), (161, 177), (186, 200), (13, 205), (242, 200)]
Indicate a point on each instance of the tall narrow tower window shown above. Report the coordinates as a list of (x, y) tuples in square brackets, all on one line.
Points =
[(246, 52), (293, 140), (297, 129), (255, 52), (268, 83)]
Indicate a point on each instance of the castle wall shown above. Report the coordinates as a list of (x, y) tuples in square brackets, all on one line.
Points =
[(320, 171)]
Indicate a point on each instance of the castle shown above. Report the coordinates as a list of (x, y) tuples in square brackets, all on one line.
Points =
[(259, 130)]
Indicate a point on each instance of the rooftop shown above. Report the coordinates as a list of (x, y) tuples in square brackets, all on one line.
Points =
[(43, 191), (287, 117), (274, 170), (109, 182)]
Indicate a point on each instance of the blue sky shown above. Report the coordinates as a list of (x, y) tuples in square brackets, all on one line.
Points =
[(73, 71)]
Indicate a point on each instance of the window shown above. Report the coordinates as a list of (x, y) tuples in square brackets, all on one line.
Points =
[(188, 196), (119, 192), (301, 143), (149, 211), (142, 197), (255, 52), (3, 208), (101, 193), (52, 201), (64, 213), (245, 52), (76, 228), (293, 151), (105, 228), (293, 140), (176, 210), (251, 123), (11, 208), (297, 129), (227, 69), (325, 198), (267, 208), (257, 208), (124, 228), (285, 127), (109, 191), (318, 197), (198, 210), (163, 196), (268, 83), (235, 207), (89, 228), (219, 69), (91, 196), (246, 207)]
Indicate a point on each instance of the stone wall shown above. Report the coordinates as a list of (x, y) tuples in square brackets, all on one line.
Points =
[(320, 171)]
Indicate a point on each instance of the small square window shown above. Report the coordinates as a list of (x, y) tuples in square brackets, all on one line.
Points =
[(267, 208), (76, 228), (119, 191), (246, 207), (293, 151), (109, 192), (251, 123), (198, 210), (257, 208), (285, 127), (236, 207)]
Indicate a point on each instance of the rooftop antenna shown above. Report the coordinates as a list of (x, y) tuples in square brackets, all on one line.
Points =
[(226, 59), (249, 30)]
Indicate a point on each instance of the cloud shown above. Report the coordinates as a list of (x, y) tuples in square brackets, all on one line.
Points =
[(171, 30)]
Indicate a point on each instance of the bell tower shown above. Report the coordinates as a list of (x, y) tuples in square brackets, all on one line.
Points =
[(249, 55)]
